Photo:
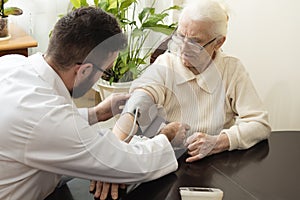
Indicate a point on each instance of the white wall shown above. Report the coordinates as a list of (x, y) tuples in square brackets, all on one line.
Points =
[(264, 34), (39, 17)]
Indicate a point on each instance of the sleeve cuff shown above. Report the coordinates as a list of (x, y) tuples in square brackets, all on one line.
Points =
[(84, 113), (233, 140)]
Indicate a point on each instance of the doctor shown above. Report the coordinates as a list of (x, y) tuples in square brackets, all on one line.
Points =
[(42, 133)]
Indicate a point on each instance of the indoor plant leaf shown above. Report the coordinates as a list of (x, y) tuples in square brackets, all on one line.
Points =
[(79, 3), (161, 28), (138, 23), (13, 11), (175, 7), (145, 12), (4, 12), (126, 4)]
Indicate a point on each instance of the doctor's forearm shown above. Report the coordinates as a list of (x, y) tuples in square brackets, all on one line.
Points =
[(97, 114)]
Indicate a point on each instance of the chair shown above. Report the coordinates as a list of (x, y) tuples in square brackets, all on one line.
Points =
[(160, 49)]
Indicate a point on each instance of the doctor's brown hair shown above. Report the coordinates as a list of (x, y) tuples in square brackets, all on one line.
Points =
[(76, 34)]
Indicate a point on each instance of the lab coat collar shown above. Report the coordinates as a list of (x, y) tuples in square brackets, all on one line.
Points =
[(207, 80), (47, 73)]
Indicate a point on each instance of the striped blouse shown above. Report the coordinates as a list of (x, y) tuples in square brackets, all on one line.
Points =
[(222, 99)]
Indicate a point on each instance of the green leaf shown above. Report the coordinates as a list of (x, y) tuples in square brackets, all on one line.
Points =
[(124, 56), (103, 4), (4, 2), (131, 64), (145, 12), (138, 24), (137, 32), (111, 80), (96, 2), (140, 61), (112, 4), (165, 29), (134, 72), (125, 4), (124, 69), (13, 11), (79, 3), (84, 3), (75, 3), (155, 19), (172, 8)]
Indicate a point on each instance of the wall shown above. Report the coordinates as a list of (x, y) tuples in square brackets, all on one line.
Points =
[(39, 17), (263, 34)]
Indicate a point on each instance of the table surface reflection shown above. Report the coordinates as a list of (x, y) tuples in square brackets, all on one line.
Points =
[(269, 170)]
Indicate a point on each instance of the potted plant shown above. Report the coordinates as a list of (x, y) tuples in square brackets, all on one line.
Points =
[(137, 23), (4, 12)]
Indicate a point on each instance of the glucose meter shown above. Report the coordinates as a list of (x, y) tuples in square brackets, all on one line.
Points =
[(200, 193)]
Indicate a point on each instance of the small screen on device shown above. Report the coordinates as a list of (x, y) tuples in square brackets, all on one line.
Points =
[(196, 189), (201, 189)]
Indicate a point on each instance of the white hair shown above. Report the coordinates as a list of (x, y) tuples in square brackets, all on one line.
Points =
[(207, 10)]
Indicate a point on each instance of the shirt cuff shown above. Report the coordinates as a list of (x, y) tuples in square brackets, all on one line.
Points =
[(138, 138), (84, 113), (232, 137)]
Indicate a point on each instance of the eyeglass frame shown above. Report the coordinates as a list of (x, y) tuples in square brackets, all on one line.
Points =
[(105, 72), (201, 47)]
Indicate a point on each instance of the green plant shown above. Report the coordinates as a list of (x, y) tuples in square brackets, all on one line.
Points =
[(138, 25), (4, 12)]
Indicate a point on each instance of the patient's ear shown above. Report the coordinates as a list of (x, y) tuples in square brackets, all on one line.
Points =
[(220, 41)]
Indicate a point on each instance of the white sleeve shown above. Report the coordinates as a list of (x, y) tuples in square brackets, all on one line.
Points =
[(84, 113), (64, 143)]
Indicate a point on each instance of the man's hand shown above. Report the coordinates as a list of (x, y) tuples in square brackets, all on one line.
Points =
[(200, 145), (101, 189), (108, 108), (175, 132)]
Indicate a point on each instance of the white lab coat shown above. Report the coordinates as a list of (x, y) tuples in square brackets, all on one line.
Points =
[(43, 136)]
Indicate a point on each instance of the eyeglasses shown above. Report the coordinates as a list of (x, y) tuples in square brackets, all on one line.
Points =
[(178, 40), (105, 72)]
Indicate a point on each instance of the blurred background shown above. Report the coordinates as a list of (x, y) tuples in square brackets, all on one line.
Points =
[(263, 34)]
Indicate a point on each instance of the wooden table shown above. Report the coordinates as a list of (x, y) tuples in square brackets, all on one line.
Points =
[(19, 42), (268, 171)]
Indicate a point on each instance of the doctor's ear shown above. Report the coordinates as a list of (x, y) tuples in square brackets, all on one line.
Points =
[(84, 70)]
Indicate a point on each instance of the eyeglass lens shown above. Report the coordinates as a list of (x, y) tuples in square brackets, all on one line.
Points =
[(178, 41)]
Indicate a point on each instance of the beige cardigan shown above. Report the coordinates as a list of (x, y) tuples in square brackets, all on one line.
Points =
[(222, 99)]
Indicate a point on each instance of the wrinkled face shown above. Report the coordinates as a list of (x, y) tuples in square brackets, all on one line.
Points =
[(85, 83), (196, 46)]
